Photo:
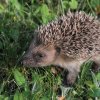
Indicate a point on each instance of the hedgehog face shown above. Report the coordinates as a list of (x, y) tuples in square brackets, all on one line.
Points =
[(38, 56)]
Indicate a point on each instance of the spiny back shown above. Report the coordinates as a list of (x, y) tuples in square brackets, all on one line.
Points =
[(77, 34)]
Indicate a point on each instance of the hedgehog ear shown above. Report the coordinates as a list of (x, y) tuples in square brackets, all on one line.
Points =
[(58, 49)]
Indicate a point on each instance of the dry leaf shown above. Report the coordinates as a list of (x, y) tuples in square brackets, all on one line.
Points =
[(61, 98)]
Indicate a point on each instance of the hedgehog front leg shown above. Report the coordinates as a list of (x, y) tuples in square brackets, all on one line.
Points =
[(72, 66), (71, 77), (73, 71)]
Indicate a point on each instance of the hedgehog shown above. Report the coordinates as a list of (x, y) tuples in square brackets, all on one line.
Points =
[(68, 42)]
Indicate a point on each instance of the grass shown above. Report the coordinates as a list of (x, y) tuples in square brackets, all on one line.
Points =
[(18, 19)]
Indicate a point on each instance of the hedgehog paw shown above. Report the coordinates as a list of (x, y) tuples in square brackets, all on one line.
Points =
[(71, 78)]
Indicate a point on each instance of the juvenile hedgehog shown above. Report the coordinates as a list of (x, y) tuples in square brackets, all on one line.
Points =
[(67, 42)]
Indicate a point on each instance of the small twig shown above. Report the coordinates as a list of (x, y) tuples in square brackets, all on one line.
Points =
[(90, 7)]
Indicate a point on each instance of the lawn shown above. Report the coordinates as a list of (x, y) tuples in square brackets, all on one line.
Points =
[(18, 20)]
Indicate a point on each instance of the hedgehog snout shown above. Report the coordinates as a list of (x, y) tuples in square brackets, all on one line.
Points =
[(26, 59)]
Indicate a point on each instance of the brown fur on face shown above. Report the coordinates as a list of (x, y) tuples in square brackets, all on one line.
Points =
[(40, 56)]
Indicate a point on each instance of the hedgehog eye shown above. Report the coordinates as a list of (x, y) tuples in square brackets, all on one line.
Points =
[(37, 56)]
